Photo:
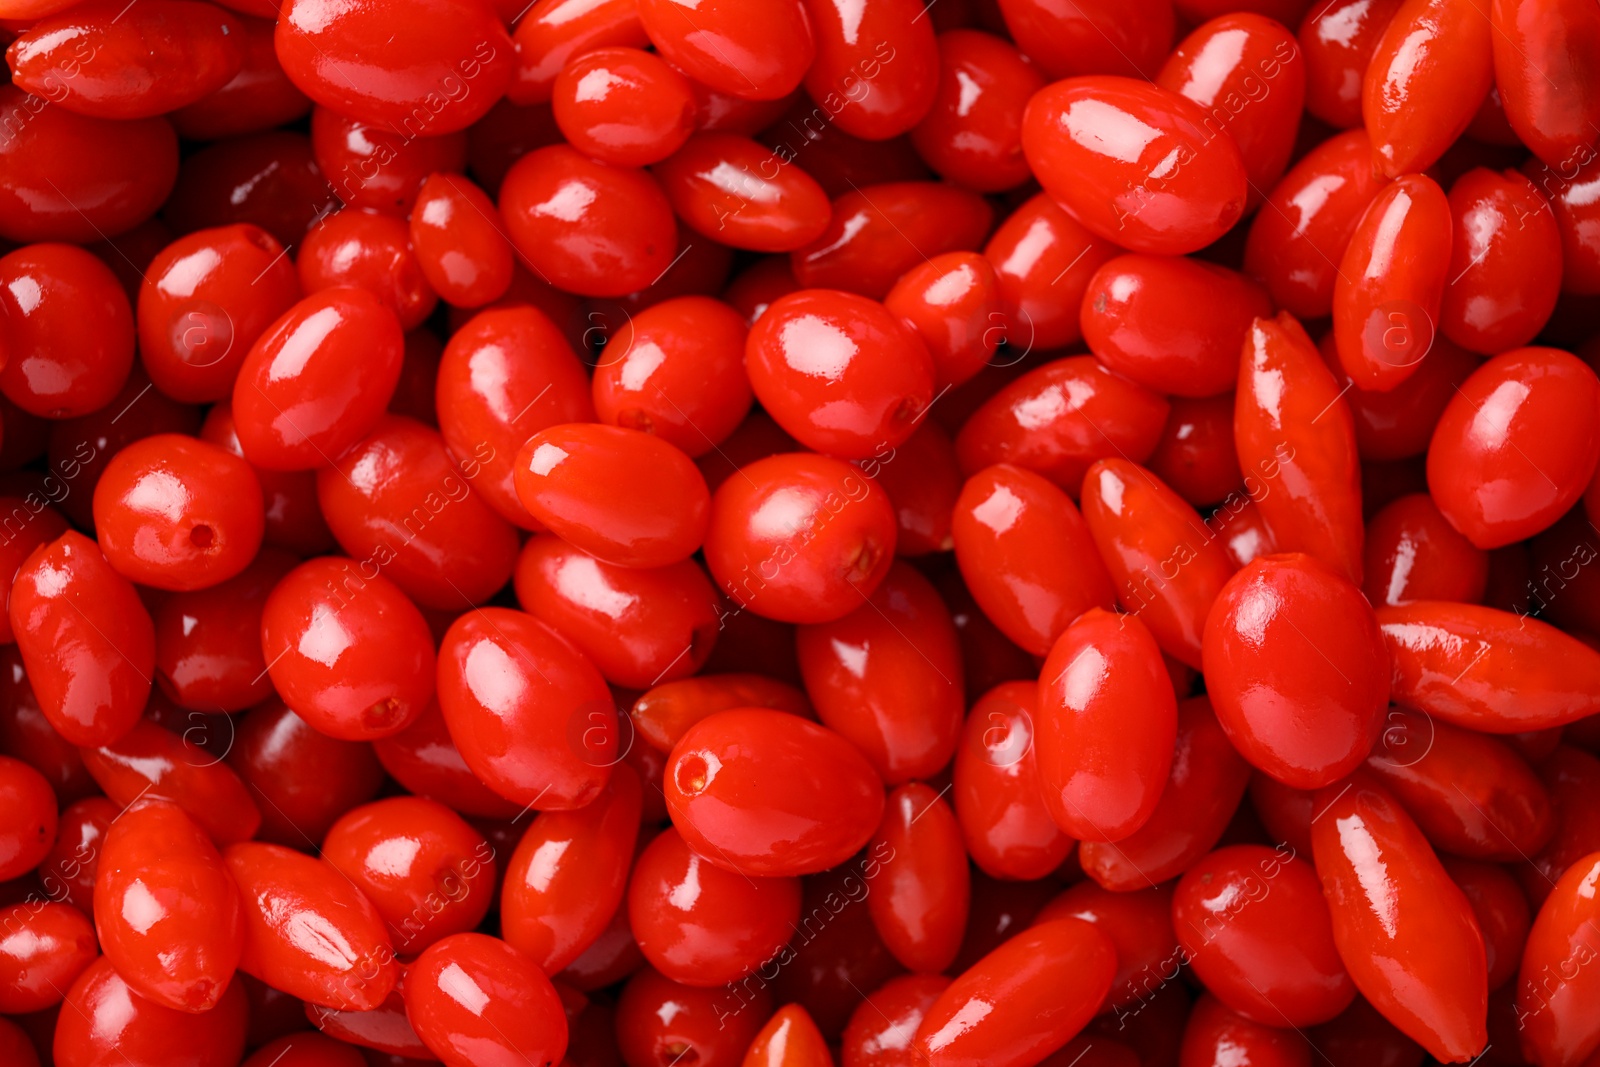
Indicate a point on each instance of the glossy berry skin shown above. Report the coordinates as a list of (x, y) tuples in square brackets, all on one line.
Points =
[(1216, 1035), (1247, 71), (1195, 456), (32, 524), (1043, 259), (531, 715), (849, 952), (1173, 325), (374, 166), (347, 650), (166, 909), (789, 1039), (734, 805), (27, 735), (1399, 424), (839, 372), (1554, 980), (1413, 553), (152, 760), (623, 106), (29, 827), (301, 778), (552, 33), (68, 331), (208, 642), (1516, 446), (882, 1027), (1005, 825), (173, 512), (459, 242), (1021, 1001), (1471, 795), (427, 872), (1065, 40), (1488, 670), (639, 626), (267, 179), (1566, 186), (755, 438), (119, 172), (1404, 930), (104, 1023), (1302, 230), (67, 871), (655, 506), (131, 64), (1297, 669), (204, 300), (366, 250), (425, 760), (676, 370), (1338, 40), (569, 873), (887, 677), (1205, 784), (1139, 925), (317, 379), (1165, 561), (1253, 924), (612, 958), (702, 925), (953, 304), (350, 965), (739, 193), (665, 713), (1501, 909), (507, 374), (1027, 555), (618, 237), (1391, 281), (401, 502), (732, 49), (1293, 431), (1059, 418), (1106, 724), (922, 480), (384, 1029), (477, 1002), (257, 98), (1430, 72), (830, 542), (85, 638), (919, 898), (292, 519), (659, 1020), (445, 64), (79, 449), (43, 947), (1133, 200), (1563, 40), (1504, 262), (888, 49), (971, 134), (878, 232)]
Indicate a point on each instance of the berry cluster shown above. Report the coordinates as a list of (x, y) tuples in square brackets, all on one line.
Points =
[(783, 533)]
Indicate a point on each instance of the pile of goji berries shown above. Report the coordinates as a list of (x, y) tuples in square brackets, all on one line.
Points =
[(783, 533)]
